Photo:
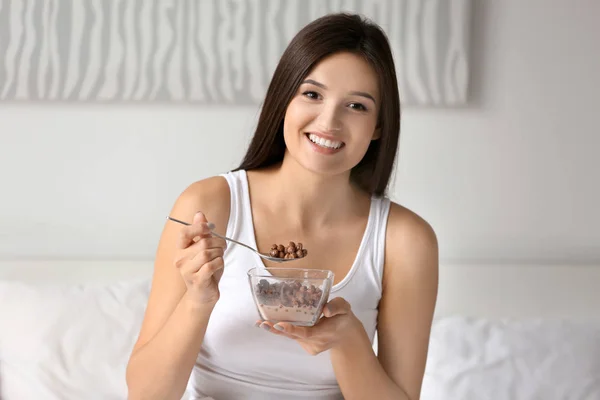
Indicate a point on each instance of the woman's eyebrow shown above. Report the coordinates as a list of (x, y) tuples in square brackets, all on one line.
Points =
[(356, 93)]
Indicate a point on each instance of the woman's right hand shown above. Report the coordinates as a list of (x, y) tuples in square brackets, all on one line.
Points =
[(199, 259)]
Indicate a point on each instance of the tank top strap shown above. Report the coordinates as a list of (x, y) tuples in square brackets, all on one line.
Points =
[(240, 215), (381, 209)]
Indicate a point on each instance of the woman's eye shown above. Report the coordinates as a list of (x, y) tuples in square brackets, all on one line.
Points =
[(311, 94), (358, 107)]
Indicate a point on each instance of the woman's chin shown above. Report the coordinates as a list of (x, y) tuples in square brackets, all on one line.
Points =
[(325, 168)]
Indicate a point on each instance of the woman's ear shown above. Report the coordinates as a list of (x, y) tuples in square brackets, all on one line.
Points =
[(376, 134)]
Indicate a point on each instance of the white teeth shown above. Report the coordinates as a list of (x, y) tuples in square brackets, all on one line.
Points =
[(324, 142)]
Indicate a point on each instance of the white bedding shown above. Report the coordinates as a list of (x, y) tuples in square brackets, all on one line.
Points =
[(64, 342), (477, 359), (72, 341)]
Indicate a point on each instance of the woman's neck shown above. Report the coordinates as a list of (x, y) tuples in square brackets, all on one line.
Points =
[(307, 199)]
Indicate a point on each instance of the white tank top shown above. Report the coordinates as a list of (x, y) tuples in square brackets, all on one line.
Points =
[(240, 361)]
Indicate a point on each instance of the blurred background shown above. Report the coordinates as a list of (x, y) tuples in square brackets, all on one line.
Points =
[(507, 175)]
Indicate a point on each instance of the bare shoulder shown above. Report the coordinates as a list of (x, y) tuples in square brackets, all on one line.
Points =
[(410, 283), (411, 245), (211, 196)]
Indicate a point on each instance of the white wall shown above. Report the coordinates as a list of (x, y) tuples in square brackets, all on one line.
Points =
[(510, 178)]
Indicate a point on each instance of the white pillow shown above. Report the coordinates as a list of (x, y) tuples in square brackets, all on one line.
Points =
[(477, 359), (68, 341), (63, 342)]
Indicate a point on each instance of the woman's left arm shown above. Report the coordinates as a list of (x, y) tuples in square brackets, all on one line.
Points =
[(410, 283), (405, 317)]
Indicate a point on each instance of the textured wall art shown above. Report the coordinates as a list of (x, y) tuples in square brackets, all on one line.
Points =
[(209, 51)]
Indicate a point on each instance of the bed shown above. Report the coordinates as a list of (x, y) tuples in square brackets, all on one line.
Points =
[(514, 332)]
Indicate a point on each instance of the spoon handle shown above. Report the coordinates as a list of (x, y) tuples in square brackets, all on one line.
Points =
[(212, 226)]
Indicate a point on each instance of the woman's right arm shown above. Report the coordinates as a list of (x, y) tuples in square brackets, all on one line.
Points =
[(187, 270)]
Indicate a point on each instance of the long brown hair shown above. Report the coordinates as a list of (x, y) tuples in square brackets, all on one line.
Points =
[(323, 37)]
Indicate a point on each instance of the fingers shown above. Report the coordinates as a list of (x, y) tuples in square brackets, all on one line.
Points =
[(190, 264), (211, 242), (199, 217), (335, 307), (198, 229), (199, 272), (190, 235), (280, 328), (201, 253), (268, 326), (298, 332), (207, 255), (209, 268), (205, 249)]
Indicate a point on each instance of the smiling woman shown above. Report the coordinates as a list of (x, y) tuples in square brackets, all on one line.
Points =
[(316, 171), (347, 78), (335, 110)]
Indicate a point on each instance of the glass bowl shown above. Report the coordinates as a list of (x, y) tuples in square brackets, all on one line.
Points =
[(291, 295)]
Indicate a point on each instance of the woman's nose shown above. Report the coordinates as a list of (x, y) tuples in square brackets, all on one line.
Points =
[(328, 120)]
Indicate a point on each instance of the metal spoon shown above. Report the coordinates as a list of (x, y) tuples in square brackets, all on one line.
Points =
[(211, 226)]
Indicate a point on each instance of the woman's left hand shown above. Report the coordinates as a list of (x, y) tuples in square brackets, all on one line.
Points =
[(336, 327)]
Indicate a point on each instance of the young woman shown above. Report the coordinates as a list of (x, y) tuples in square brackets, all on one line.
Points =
[(316, 171)]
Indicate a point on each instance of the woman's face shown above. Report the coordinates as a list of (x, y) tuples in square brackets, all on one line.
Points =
[(332, 119)]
